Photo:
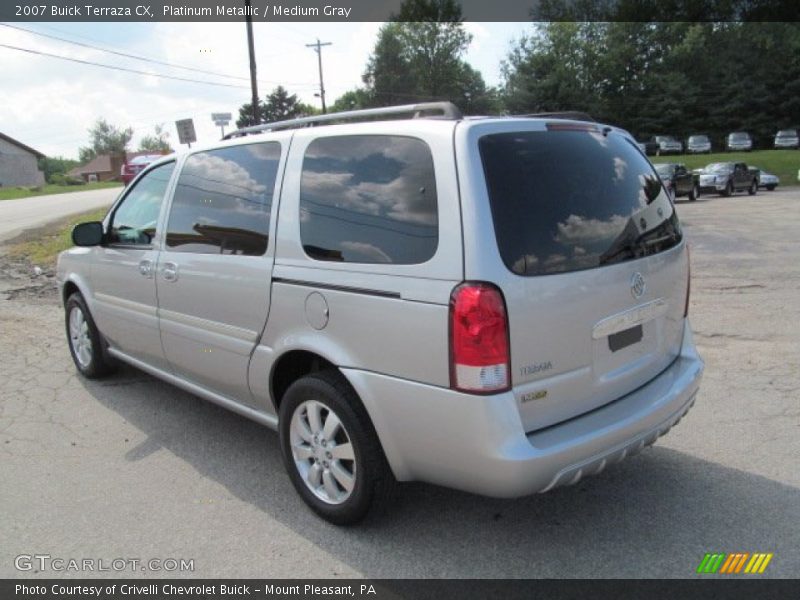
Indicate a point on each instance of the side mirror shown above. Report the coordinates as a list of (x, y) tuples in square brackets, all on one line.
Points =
[(88, 234)]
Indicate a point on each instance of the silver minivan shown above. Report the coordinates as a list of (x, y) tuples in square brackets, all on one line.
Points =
[(498, 305)]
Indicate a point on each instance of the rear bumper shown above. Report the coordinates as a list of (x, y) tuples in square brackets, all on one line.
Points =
[(477, 443)]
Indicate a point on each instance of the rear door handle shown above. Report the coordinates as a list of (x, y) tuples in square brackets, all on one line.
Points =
[(170, 271), (146, 268)]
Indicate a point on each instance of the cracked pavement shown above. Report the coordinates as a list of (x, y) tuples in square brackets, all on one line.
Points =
[(132, 467)]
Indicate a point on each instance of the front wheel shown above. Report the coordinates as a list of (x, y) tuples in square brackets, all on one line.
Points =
[(85, 341), (331, 450), (771, 188), (694, 193), (753, 189), (728, 189)]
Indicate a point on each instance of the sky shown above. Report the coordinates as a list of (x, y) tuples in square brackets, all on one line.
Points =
[(49, 104)]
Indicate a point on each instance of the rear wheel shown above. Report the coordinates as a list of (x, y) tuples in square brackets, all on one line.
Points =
[(331, 450), (753, 189), (694, 193), (85, 341)]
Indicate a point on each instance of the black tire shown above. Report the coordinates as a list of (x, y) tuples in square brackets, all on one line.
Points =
[(728, 191), (694, 193), (98, 363), (373, 479), (753, 189), (771, 188)]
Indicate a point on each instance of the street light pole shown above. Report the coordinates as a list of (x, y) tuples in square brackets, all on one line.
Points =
[(318, 49), (251, 47)]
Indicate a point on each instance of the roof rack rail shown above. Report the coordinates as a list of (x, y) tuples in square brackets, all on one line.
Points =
[(567, 114), (441, 110)]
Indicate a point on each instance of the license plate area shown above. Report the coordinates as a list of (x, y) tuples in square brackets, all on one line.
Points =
[(623, 339)]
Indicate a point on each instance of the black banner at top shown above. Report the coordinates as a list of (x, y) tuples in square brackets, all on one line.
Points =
[(385, 10)]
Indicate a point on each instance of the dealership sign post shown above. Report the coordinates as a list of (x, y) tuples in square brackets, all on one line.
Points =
[(186, 134), (221, 120)]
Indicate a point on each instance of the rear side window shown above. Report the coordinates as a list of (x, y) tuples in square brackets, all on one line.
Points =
[(369, 199), (569, 200), (223, 199)]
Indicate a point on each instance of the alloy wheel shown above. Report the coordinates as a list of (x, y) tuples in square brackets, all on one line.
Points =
[(79, 338), (322, 452)]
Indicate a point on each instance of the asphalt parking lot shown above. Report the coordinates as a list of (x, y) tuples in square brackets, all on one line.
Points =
[(131, 467)]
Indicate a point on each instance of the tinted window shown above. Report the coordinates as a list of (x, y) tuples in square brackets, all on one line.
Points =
[(570, 200), (223, 200), (135, 220), (369, 199), (664, 170)]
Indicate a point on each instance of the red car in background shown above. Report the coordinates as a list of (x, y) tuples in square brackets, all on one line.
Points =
[(132, 166)]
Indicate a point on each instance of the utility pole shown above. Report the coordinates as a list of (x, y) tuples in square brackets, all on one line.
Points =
[(318, 49), (251, 47)]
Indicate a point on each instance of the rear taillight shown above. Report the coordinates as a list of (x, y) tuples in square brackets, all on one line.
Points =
[(480, 359), (688, 282)]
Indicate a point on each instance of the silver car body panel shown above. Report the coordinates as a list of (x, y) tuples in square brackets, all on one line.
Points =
[(213, 307), (479, 444), (227, 321)]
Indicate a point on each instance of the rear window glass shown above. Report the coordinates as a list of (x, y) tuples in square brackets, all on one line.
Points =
[(369, 199), (569, 200), (223, 200)]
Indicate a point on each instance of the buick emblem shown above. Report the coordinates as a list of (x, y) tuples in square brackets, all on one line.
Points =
[(638, 286)]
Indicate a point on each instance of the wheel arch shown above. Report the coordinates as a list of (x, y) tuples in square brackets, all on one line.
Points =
[(293, 364), (75, 283)]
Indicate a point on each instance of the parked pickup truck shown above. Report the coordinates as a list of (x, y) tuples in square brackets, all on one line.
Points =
[(728, 177), (678, 180)]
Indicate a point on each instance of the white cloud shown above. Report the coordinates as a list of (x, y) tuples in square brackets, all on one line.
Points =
[(368, 251), (580, 230)]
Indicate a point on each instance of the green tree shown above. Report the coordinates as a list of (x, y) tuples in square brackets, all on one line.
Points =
[(279, 106), (389, 78), (553, 69), (352, 100), (419, 57), (105, 139), (662, 77), (158, 142), (56, 166)]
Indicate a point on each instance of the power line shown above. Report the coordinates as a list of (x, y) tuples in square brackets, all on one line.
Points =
[(137, 57), (117, 68)]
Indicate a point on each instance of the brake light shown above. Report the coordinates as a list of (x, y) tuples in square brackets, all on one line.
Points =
[(688, 282), (480, 358), (567, 126)]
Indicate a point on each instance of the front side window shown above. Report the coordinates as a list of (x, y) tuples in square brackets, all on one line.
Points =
[(223, 199), (369, 199), (135, 220), (570, 200)]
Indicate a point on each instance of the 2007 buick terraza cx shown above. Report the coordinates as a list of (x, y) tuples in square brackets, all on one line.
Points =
[(498, 305)]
